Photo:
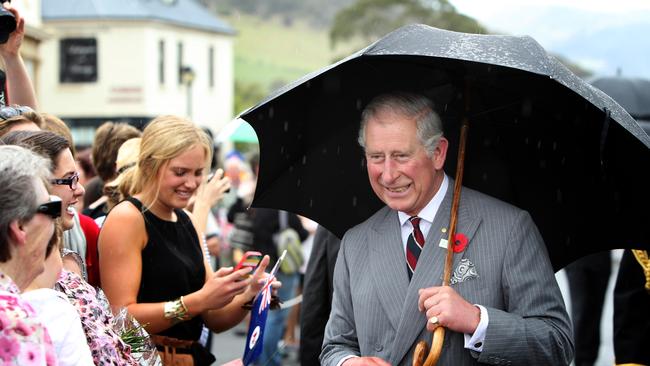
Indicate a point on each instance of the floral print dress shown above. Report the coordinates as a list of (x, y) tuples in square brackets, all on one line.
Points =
[(23, 339), (106, 346)]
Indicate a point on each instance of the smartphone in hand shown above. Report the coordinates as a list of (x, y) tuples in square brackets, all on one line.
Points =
[(249, 259)]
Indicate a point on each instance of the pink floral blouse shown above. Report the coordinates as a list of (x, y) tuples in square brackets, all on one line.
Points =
[(106, 346), (23, 339)]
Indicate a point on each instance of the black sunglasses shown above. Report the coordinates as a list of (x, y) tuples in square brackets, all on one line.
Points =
[(71, 182), (51, 208)]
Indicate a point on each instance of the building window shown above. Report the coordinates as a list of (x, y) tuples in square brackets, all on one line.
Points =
[(78, 60), (180, 63), (161, 62), (211, 66)]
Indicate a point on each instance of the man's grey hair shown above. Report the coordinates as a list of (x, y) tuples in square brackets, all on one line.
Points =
[(410, 105), (20, 171)]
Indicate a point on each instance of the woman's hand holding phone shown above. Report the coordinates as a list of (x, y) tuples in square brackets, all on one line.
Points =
[(224, 285)]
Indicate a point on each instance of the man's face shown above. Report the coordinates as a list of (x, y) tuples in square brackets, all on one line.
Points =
[(400, 172)]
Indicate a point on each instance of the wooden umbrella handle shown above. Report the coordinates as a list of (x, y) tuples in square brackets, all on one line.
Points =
[(439, 333)]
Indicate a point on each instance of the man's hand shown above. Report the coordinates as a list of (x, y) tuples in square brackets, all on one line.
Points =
[(365, 361), (451, 310)]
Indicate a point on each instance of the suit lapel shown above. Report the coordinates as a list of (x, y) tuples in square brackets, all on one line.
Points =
[(429, 272), (388, 271)]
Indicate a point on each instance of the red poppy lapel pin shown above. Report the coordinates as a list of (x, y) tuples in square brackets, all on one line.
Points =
[(460, 242)]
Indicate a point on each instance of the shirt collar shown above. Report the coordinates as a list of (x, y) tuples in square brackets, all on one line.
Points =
[(429, 211)]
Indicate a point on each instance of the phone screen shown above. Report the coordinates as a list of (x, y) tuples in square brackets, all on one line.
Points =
[(250, 259)]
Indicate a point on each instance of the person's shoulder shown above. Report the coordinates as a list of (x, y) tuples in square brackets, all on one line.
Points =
[(124, 210), (361, 230), (481, 202)]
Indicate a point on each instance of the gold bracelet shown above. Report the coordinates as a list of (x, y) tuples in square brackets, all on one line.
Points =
[(176, 310)]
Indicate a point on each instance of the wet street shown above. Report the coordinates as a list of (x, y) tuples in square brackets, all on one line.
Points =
[(229, 345)]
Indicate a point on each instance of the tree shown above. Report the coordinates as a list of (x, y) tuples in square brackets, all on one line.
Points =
[(247, 95), (372, 19)]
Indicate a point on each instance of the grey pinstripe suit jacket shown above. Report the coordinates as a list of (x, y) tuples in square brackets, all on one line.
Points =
[(374, 306)]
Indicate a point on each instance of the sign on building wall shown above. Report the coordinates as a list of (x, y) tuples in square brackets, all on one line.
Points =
[(78, 60)]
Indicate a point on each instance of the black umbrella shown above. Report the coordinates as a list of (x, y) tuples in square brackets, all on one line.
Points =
[(633, 94), (540, 137)]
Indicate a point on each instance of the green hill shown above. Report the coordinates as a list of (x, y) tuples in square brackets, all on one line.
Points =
[(272, 53)]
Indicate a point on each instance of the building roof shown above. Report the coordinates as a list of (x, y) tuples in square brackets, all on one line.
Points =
[(187, 13)]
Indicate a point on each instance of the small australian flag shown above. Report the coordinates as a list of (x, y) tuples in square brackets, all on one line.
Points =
[(255, 338)]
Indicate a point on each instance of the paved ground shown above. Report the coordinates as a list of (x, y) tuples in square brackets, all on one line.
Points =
[(228, 345)]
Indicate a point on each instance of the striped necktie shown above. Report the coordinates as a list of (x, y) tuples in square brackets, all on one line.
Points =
[(414, 246)]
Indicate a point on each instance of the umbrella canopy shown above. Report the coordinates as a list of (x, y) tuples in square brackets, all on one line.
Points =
[(633, 94), (540, 137)]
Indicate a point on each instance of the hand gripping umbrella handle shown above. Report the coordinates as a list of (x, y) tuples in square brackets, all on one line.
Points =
[(439, 333)]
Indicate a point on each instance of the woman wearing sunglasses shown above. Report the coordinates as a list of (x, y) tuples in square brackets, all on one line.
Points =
[(96, 318), (26, 227), (64, 183)]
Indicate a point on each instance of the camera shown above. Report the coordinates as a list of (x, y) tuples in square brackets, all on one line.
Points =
[(7, 22)]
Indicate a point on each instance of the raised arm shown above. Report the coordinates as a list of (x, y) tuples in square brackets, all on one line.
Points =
[(20, 88)]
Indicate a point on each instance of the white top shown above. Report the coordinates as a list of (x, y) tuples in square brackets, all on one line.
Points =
[(62, 322)]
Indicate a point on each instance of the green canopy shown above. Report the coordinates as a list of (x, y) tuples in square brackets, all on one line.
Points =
[(244, 133)]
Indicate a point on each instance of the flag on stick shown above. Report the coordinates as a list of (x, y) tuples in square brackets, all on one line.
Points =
[(255, 338)]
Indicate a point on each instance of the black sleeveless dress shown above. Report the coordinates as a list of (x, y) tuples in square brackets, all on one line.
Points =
[(172, 266)]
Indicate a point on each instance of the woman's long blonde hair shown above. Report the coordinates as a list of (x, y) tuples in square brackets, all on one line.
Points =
[(163, 139)]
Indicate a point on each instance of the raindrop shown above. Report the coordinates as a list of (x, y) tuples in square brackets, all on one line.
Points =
[(485, 176), (446, 105), (304, 160), (358, 104), (324, 151), (539, 145), (286, 126), (298, 182), (281, 149), (271, 112), (542, 164), (554, 145), (311, 202), (299, 136), (290, 168), (526, 141), (563, 161), (558, 196), (338, 150), (354, 201)]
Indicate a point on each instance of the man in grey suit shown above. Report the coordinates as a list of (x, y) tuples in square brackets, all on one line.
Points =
[(503, 305)]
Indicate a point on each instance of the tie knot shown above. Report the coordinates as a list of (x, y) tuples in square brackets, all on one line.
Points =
[(415, 221)]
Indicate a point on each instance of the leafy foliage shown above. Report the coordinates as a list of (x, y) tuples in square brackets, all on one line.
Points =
[(247, 95), (372, 19), (315, 12)]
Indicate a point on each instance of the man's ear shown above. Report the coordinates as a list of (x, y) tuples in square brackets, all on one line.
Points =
[(17, 232), (440, 154)]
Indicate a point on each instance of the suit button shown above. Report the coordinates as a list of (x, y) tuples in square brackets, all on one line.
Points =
[(478, 344), (379, 347)]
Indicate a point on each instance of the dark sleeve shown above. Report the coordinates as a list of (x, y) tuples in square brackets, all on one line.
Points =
[(315, 309), (236, 208), (296, 224), (631, 313)]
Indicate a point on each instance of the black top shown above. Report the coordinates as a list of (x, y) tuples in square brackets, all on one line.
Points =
[(172, 266)]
